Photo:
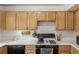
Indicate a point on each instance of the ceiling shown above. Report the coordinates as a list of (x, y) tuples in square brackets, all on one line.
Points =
[(32, 4)]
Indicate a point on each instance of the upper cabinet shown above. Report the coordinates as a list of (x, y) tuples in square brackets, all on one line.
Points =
[(69, 21), (10, 20), (32, 20), (42, 16), (77, 20), (60, 20), (21, 21), (46, 16), (64, 21), (28, 20), (51, 16), (2, 20)]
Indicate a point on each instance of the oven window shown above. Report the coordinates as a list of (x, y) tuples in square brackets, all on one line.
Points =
[(46, 50)]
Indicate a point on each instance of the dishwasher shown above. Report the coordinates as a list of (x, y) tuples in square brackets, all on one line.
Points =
[(16, 49)]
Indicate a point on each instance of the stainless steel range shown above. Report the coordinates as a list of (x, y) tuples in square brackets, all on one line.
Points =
[(46, 38)]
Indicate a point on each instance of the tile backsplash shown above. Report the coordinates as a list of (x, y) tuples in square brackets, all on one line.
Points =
[(10, 35), (68, 34)]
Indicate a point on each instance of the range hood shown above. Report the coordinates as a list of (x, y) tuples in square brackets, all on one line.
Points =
[(46, 27)]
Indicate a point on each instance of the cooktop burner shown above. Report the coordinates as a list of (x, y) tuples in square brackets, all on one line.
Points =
[(52, 41)]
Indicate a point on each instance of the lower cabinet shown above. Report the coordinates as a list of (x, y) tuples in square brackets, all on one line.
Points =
[(30, 49), (64, 49), (3, 50), (74, 50)]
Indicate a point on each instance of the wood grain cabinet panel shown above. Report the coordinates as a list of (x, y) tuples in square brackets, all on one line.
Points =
[(32, 19), (42, 16), (3, 50), (2, 20), (51, 16), (77, 20), (74, 50), (21, 20), (64, 49), (30, 49), (46, 16), (69, 21), (60, 20), (10, 20)]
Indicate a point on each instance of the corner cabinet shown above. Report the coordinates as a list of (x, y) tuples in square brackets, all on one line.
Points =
[(60, 20), (32, 20), (74, 50), (10, 20), (21, 20)]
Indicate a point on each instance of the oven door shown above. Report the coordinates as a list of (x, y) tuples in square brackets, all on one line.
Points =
[(46, 50)]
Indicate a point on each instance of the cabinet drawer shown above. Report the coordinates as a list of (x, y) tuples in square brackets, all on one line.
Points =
[(30, 46), (30, 49)]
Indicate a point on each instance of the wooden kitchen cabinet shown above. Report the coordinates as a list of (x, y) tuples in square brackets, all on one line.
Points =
[(69, 21), (21, 20), (3, 50), (42, 16), (74, 50), (60, 20), (46, 16), (30, 49), (76, 20), (10, 20), (2, 21), (51, 16), (32, 20), (64, 49)]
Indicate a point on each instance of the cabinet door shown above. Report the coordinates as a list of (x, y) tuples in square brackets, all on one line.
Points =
[(42, 16), (2, 20), (22, 21), (30, 49), (69, 20), (77, 20), (60, 20), (3, 50), (64, 49), (32, 20), (10, 20), (51, 16)]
